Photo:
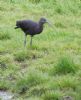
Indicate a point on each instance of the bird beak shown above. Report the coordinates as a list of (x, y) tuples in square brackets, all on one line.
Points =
[(49, 23)]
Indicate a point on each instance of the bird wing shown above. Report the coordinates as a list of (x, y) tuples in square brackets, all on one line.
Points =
[(27, 24)]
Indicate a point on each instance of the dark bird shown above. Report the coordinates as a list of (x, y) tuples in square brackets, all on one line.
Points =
[(30, 27)]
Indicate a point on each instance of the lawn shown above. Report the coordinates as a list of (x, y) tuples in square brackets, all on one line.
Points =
[(51, 68)]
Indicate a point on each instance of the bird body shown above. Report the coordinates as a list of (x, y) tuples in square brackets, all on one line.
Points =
[(30, 27)]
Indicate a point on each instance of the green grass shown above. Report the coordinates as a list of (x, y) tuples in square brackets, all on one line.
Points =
[(51, 68), (51, 95), (64, 65)]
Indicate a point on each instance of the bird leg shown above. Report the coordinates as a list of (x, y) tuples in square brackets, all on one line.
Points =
[(25, 40), (31, 41)]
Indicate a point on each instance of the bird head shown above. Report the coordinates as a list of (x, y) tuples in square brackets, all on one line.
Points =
[(44, 20)]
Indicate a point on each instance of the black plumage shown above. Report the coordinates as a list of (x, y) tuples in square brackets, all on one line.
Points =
[(30, 27)]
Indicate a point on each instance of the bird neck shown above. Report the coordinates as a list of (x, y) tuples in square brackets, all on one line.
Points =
[(41, 25)]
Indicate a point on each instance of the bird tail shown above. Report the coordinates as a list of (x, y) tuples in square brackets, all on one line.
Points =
[(16, 27)]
